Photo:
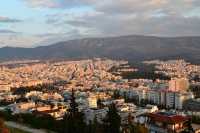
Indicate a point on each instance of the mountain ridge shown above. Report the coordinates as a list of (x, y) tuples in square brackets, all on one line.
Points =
[(131, 47)]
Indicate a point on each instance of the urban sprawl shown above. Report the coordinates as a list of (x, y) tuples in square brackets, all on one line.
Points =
[(97, 87)]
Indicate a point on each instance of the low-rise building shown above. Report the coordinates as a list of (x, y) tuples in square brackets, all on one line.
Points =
[(22, 107), (165, 122), (92, 101)]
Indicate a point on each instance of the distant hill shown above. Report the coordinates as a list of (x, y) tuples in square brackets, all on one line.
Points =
[(132, 48)]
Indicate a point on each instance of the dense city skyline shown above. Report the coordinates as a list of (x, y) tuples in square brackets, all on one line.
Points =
[(100, 96)]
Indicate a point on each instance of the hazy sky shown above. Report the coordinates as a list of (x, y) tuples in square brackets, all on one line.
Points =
[(27, 23)]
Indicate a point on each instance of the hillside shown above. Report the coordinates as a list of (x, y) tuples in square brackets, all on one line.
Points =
[(132, 48)]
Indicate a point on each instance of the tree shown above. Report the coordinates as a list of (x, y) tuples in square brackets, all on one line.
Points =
[(125, 96), (90, 127), (112, 120), (96, 126), (116, 94), (99, 103), (73, 105), (190, 128), (196, 119), (144, 102), (74, 120)]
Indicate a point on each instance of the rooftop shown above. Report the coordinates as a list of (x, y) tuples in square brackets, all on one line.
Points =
[(167, 117)]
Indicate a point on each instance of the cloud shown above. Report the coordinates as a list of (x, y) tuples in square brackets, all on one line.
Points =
[(5, 31), (121, 6), (171, 25), (119, 17), (58, 3), (8, 20), (42, 3), (18, 39), (51, 38), (109, 18)]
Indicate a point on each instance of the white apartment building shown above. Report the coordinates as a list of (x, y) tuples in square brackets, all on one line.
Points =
[(169, 99), (154, 96), (181, 97)]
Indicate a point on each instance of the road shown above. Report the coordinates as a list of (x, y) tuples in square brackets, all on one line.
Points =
[(24, 127)]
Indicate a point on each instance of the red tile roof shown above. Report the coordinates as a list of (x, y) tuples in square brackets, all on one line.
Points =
[(171, 119)]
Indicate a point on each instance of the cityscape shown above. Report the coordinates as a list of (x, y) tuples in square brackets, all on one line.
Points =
[(100, 66), (52, 90)]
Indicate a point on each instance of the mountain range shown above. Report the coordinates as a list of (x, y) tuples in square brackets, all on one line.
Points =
[(132, 48)]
